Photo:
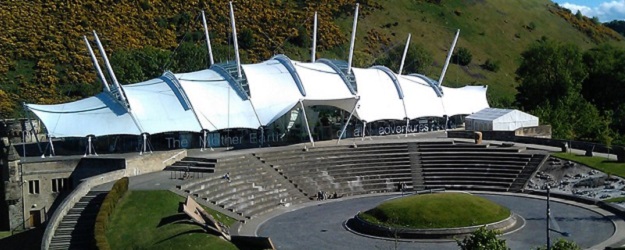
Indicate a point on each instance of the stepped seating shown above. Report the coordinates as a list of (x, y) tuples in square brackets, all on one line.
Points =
[(262, 181), (193, 164), (253, 187), (76, 229), (343, 169), (474, 167)]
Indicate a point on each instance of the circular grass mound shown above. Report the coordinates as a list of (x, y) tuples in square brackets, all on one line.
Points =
[(441, 210)]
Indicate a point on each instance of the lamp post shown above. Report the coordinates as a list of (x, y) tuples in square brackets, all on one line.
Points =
[(549, 229)]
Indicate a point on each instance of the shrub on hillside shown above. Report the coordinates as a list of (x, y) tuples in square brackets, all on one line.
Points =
[(491, 65), (462, 57)]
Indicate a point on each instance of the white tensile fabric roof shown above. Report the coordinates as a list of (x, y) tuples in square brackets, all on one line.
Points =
[(205, 100)]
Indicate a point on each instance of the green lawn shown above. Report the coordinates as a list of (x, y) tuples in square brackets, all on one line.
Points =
[(615, 199), (4, 234), (600, 163), (442, 210), (140, 222)]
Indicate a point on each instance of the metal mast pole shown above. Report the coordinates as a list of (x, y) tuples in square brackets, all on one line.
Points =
[(306, 121), (97, 66), (403, 58), (351, 44), (548, 218), (314, 44), (208, 39), (236, 44), (108, 67), (451, 50)]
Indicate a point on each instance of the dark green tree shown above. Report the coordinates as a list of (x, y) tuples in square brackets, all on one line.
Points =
[(549, 72), (418, 59), (246, 39), (606, 82), (483, 239), (138, 65), (462, 57), (562, 244), (190, 56), (617, 25)]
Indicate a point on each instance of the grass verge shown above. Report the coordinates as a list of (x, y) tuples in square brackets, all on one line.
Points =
[(600, 163), (146, 219), (615, 199), (443, 210)]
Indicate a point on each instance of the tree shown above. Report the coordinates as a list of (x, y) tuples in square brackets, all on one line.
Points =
[(562, 244), (463, 57), (606, 81), (548, 73), (483, 239), (616, 25), (418, 59), (190, 57), (246, 39)]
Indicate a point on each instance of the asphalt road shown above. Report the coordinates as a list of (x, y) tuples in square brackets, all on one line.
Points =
[(321, 226)]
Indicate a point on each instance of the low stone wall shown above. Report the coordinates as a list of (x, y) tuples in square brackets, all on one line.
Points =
[(138, 165), (68, 203), (612, 208), (359, 225), (512, 136)]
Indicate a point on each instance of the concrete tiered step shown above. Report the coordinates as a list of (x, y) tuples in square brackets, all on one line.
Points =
[(76, 228), (194, 164), (529, 170), (346, 170)]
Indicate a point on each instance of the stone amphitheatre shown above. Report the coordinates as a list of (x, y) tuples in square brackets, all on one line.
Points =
[(273, 192)]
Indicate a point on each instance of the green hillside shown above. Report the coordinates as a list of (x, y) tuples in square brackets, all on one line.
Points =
[(43, 58)]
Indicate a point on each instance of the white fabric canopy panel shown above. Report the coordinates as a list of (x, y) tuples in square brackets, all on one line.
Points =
[(379, 99), (464, 101), (157, 108), (324, 86), (272, 88), (420, 99), (158, 105), (216, 104), (98, 115)]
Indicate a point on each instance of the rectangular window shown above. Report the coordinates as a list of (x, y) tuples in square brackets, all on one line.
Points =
[(33, 186), (60, 184)]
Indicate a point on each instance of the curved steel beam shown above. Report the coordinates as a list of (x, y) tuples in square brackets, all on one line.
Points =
[(434, 84), (341, 74), (231, 80), (286, 62), (393, 77)]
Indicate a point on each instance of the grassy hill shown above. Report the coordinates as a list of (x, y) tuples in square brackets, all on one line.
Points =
[(491, 29), (44, 60)]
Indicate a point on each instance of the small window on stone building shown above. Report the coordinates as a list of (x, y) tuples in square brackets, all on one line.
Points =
[(33, 186), (60, 184)]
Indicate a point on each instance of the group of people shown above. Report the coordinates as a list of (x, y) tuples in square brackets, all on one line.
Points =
[(322, 195)]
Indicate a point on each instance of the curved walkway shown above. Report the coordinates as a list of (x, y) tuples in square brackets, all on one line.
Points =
[(320, 225)]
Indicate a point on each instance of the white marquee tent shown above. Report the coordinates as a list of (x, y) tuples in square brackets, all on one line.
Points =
[(492, 119)]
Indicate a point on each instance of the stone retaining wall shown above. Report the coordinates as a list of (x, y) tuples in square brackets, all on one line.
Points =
[(359, 225), (135, 166)]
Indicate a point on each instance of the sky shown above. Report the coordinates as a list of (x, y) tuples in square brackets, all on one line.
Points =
[(605, 10)]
